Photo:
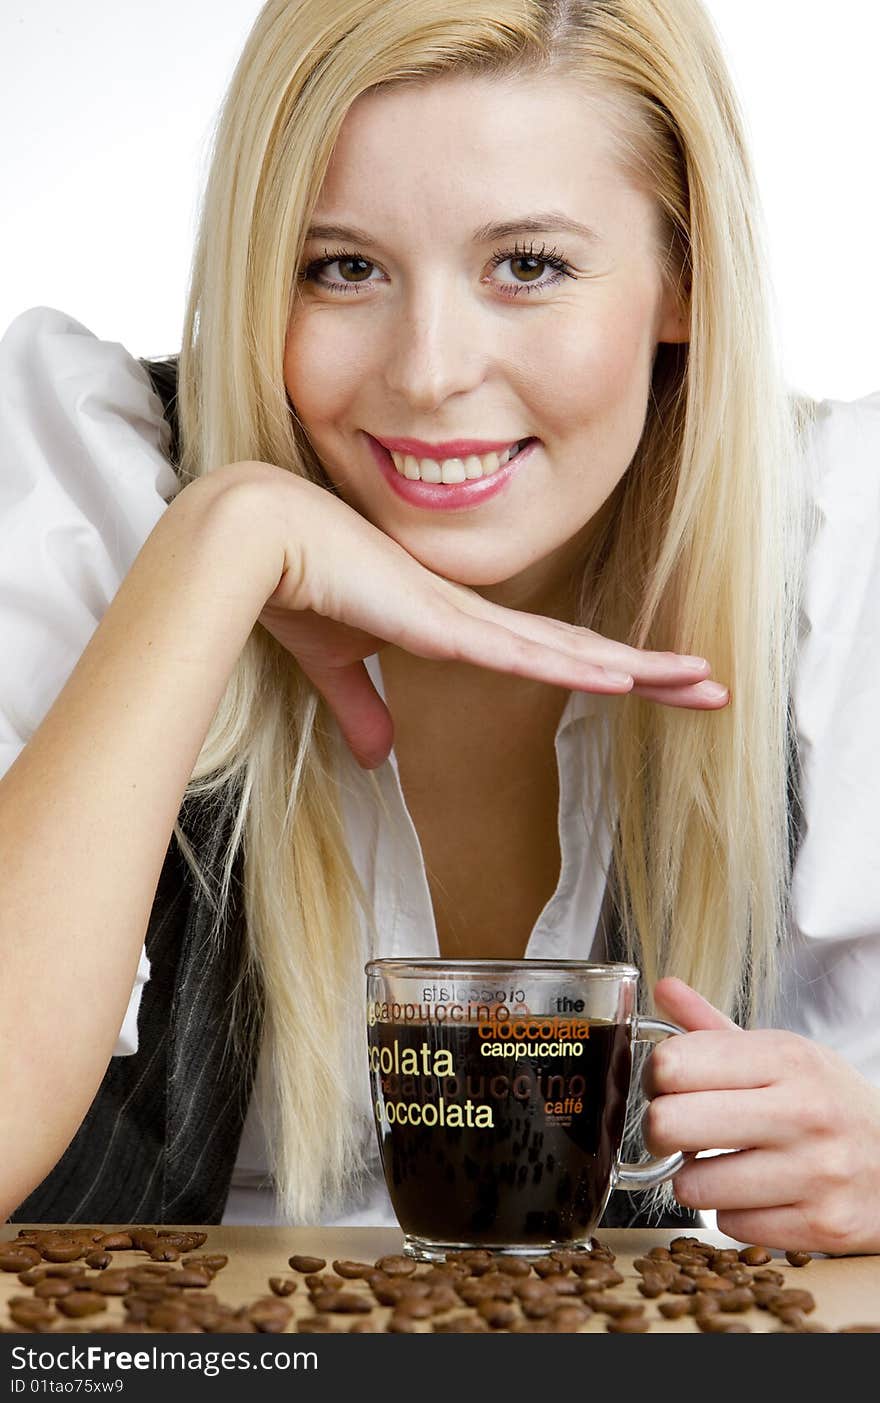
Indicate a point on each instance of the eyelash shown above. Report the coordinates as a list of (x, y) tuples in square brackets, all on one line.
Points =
[(551, 257)]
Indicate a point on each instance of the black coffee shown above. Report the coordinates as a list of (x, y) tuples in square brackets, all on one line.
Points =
[(499, 1141)]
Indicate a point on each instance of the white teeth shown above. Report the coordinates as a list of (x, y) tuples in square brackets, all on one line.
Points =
[(450, 470)]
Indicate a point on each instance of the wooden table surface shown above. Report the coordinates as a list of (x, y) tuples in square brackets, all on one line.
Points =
[(846, 1290)]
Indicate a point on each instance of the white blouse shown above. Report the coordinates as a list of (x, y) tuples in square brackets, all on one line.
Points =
[(84, 477)]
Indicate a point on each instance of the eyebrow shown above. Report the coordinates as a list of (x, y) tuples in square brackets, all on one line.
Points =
[(544, 222)]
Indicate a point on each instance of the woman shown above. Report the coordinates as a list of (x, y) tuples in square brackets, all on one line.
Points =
[(430, 233)]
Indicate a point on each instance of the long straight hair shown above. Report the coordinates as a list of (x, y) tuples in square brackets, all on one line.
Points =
[(701, 551)]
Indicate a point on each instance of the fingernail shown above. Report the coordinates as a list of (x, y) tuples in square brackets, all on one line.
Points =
[(620, 679), (713, 690), (695, 662)]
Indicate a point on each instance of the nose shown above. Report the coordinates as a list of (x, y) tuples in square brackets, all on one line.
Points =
[(436, 347)]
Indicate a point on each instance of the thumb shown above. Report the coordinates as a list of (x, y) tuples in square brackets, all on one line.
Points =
[(362, 716), (683, 1005)]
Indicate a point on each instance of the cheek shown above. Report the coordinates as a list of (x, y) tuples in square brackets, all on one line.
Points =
[(596, 372), (320, 376)]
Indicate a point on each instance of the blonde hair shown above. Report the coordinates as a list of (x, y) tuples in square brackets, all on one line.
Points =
[(701, 551)]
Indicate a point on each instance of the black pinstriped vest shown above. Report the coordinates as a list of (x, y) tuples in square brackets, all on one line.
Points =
[(159, 1142)]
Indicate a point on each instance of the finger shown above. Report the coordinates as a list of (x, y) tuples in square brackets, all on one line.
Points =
[(719, 1120), (683, 1005), (660, 668), (362, 716), (713, 1061), (708, 696), (745, 1179), (785, 1227), (485, 643)]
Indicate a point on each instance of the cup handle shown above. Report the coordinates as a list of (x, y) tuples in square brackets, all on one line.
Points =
[(650, 1171)]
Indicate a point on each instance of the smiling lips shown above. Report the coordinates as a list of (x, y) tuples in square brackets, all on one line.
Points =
[(455, 461)]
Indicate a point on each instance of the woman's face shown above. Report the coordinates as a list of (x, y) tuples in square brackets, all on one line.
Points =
[(425, 325)]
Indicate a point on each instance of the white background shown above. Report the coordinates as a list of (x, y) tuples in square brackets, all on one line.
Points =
[(106, 111)]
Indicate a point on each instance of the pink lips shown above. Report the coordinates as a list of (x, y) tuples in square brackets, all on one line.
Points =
[(456, 496), (451, 448)]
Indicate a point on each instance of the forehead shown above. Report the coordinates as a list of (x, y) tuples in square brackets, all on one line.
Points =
[(463, 146)]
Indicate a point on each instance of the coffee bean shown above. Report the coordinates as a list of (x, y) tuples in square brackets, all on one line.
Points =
[(514, 1266), (569, 1318), (187, 1278), (493, 1283), (600, 1251), (61, 1251), (116, 1242), (790, 1315), (570, 1261), (476, 1260), (171, 1318), (80, 1303), (307, 1264), (755, 1256), (113, 1282), (800, 1300), (765, 1293), (269, 1315), (630, 1324), (416, 1307), (798, 1259), (365, 1326), (616, 1308), (99, 1260), (461, 1325), (674, 1310), (397, 1266), (19, 1258), (739, 1299), (143, 1239), (443, 1298), (31, 1314), (682, 1285), (652, 1287), (737, 1276), (351, 1271), (212, 1262), (703, 1303), (399, 1323), (769, 1274), (498, 1314), (545, 1266), (720, 1325), (326, 1281), (442, 1275), (539, 1307), (164, 1252), (688, 1246), (282, 1285), (561, 1285), (725, 1256), (53, 1288), (660, 1254), (182, 1241), (345, 1302)]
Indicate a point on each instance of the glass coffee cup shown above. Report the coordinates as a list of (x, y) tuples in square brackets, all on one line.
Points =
[(499, 1091)]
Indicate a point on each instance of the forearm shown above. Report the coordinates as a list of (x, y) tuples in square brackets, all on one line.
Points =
[(88, 808)]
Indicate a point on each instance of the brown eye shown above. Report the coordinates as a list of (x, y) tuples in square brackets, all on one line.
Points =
[(533, 272), (362, 271)]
